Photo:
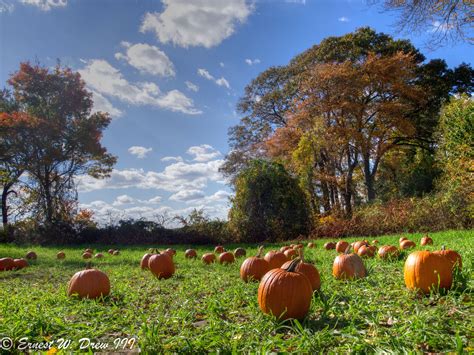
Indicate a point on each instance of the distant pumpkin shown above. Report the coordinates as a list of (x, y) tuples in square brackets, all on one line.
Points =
[(116, 252), (402, 239), (190, 254), (99, 256), (290, 254), (407, 244), (426, 240), (342, 246), (330, 246), (208, 258), (19, 264), (7, 264), (240, 252), (348, 266), (226, 258), (310, 245), (88, 250), (86, 255), (60, 255), (144, 261), (366, 251), (254, 268), (359, 244), (219, 249), (31, 255), (388, 252), (161, 265), (275, 258)]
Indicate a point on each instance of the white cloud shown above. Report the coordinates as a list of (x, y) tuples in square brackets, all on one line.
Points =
[(187, 195), (166, 159), (437, 26), (154, 200), (252, 62), (45, 5), (102, 77), (139, 152), (221, 64), (196, 23), (6, 6), (191, 86), (300, 2), (221, 81), (123, 200), (147, 59), (203, 153), (343, 19), (103, 105)]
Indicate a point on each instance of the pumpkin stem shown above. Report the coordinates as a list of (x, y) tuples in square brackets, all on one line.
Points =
[(443, 247), (347, 249), (293, 264), (88, 265), (260, 251), (300, 254)]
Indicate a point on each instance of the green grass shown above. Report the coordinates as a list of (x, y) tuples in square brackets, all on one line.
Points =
[(208, 308)]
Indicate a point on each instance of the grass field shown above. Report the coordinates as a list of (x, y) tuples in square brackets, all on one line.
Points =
[(208, 308)]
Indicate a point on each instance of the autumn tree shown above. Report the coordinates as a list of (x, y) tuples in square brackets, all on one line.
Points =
[(65, 141)]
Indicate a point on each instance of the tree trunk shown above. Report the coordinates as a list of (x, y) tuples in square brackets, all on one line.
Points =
[(5, 207), (369, 180)]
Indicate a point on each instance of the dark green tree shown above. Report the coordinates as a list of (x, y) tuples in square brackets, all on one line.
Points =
[(268, 205)]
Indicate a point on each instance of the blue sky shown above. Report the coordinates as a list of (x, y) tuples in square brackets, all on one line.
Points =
[(170, 73)]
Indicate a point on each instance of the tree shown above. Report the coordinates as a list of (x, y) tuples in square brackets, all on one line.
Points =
[(268, 204), (65, 141), (445, 19)]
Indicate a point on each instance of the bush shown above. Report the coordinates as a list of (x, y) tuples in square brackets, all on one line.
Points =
[(269, 205)]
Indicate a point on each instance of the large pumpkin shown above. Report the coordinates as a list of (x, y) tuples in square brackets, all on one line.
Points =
[(190, 254), (426, 240), (452, 255), (60, 255), (161, 265), (208, 258), (31, 255), (388, 252), (407, 244), (144, 261), (239, 252), (254, 268), (307, 269), (342, 246), (89, 283), (348, 266), (226, 258), (6, 264), (285, 293), (275, 258), (329, 246), (425, 271), (20, 263)]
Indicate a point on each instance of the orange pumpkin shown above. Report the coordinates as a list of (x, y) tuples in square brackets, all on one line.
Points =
[(407, 244), (310, 245), (366, 251), (240, 252), (426, 240), (86, 255), (219, 249), (31, 255), (290, 254), (111, 251), (329, 246), (348, 266), (402, 239), (358, 244), (116, 252), (20, 263), (144, 261), (254, 268), (453, 256), (99, 256), (190, 254), (388, 252), (307, 269), (284, 248), (6, 264), (208, 258), (425, 271), (375, 241), (171, 251), (161, 265), (61, 255), (89, 283), (226, 258), (285, 293), (341, 246), (90, 251), (275, 258)]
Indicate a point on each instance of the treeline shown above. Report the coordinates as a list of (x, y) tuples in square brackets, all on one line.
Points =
[(361, 122)]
